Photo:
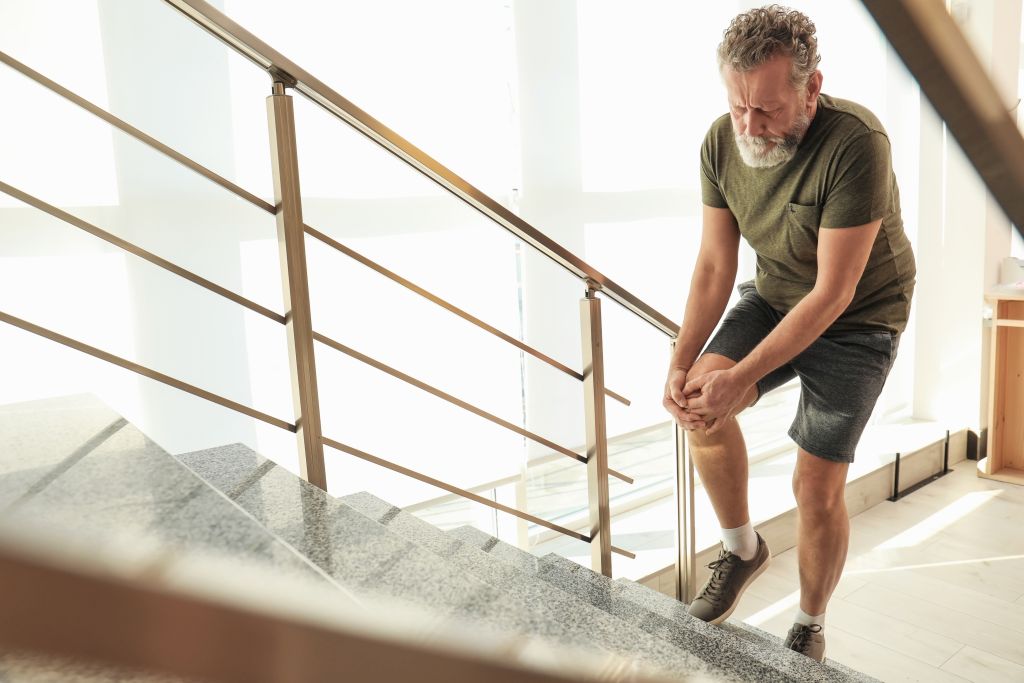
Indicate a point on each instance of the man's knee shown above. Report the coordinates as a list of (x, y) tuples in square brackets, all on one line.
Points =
[(711, 362)]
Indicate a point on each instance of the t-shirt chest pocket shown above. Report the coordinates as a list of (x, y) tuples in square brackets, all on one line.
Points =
[(801, 225)]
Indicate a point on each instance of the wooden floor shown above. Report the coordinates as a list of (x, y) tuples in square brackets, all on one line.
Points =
[(933, 588)]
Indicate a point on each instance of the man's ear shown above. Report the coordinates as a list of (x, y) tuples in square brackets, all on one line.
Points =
[(814, 86)]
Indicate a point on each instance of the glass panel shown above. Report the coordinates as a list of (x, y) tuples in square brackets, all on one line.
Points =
[(60, 277), (43, 35), (388, 212), (158, 71), (412, 67), (159, 205)]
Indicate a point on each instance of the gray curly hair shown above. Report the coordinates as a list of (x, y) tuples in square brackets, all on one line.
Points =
[(756, 36)]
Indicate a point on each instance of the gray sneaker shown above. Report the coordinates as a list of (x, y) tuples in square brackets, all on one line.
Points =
[(807, 640), (730, 576)]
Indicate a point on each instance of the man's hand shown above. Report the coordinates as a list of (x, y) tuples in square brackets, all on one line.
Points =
[(715, 397), (676, 403)]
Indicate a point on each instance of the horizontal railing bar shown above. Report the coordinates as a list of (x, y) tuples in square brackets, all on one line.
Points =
[(620, 475), (618, 397), (625, 553), (131, 130), (398, 279), (387, 464), (337, 445), (240, 39), (504, 481), (144, 371), (408, 379), (140, 252)]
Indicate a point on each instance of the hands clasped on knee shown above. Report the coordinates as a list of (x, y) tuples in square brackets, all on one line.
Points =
[(704, 400)]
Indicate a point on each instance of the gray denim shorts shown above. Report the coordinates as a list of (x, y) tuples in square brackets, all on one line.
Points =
[(841, 375)]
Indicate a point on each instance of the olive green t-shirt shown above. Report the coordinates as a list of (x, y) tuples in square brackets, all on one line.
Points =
[(840, 177)]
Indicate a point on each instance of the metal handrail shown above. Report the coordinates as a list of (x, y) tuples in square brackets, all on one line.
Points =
[(288, 212), (416, 289), (277, 422), (238, 407), (133, 131), (277, 317), (248, 45), (426, 479), (140, 252), (144, 371), (465, 405), (242, 193)]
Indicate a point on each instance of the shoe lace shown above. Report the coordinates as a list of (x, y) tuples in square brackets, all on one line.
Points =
[(802, 636), (720, 570)]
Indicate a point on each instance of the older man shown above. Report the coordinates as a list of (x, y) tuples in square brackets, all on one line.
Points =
[(807, 180)]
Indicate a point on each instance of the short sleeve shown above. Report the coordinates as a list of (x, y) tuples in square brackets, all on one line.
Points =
[(710, 192), (861, 186)]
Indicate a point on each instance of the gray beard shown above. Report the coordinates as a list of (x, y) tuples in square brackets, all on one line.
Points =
[(755, 151)]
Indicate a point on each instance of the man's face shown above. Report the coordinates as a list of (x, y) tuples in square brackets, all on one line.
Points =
[(769, 117)]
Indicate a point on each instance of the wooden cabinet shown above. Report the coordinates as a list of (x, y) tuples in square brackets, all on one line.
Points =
[(1005, 460)]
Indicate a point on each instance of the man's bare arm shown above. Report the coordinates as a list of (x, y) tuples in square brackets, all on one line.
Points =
[(713, 278), (842, 255)]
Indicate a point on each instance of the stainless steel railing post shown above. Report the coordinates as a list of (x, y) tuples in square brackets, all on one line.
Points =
[(597, 433), (291, 240), (686, 555)]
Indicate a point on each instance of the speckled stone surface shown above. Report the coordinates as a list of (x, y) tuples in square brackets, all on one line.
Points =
[(702, 639), (740, 636), (102, 478), (41, 439), (606, 630), (436, 571), (500, 550), (663, 615)]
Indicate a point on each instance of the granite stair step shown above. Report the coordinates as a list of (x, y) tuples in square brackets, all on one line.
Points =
[(72, 463), (662, 615), (368, 557), (605, 630), (747, 635)]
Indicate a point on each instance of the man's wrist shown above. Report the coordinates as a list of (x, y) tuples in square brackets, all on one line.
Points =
[(744, 373), (680, 364)]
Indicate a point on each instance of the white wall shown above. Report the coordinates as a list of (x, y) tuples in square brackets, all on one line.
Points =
[(969, 236)]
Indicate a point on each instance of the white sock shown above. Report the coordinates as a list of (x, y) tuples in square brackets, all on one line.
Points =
[(806, 619), (741, 541)]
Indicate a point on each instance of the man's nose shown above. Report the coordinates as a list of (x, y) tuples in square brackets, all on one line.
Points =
[(755, 123)]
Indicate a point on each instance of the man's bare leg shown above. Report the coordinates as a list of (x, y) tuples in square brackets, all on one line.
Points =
[(721, 459), (823, 534)]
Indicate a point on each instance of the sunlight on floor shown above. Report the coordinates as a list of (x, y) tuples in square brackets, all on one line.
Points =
[(950, 514), (950, 563), (786, 604)]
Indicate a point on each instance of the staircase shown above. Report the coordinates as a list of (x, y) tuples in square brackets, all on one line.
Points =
[(76, 465)]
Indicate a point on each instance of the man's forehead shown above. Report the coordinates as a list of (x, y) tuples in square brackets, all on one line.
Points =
[(767, 83)]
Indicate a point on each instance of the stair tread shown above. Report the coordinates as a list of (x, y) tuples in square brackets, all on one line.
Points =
[(369, 557), (605, 629), (121, 483), (647, 607)]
